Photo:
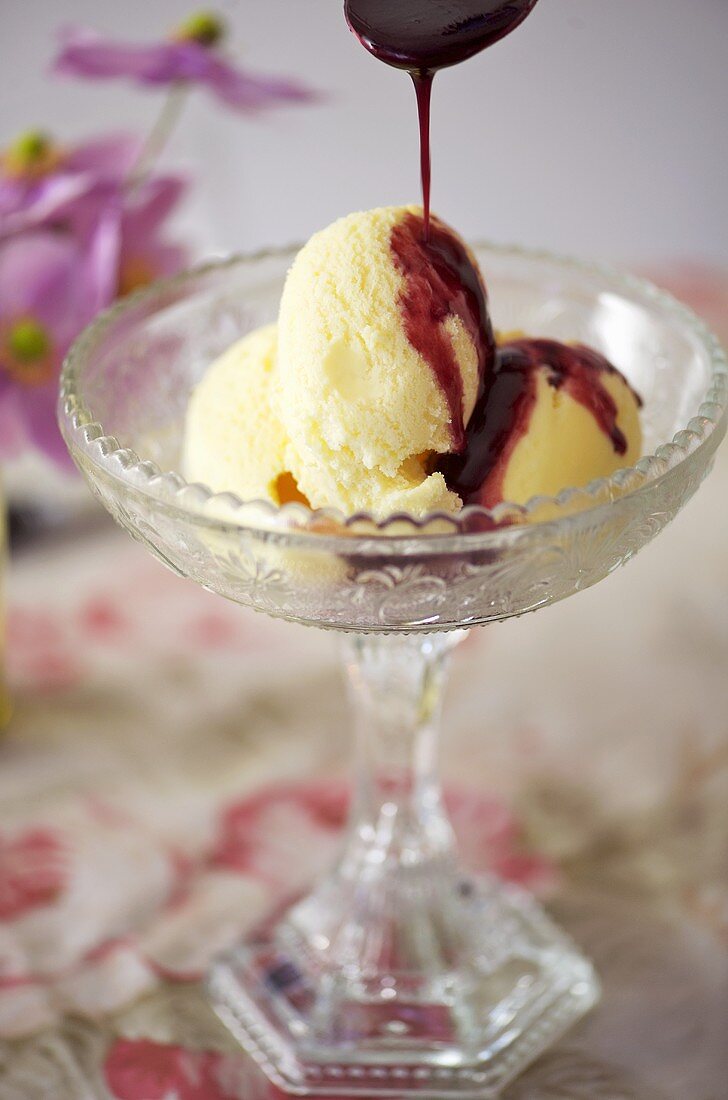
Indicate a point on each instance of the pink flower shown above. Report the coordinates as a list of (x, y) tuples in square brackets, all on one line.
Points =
[(43, 182), (191, 56), (144, 254), (51, 285), (57, 275)]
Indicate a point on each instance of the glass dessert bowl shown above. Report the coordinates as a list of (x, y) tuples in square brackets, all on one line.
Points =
[(397, 974)]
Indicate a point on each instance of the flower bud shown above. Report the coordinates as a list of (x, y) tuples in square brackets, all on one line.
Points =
[(32, 154), (27, 354), (204, 27), (28, 340)]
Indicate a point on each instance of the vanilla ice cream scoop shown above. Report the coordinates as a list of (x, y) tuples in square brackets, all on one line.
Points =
[(234, 441), (382, 389), (379, 359)]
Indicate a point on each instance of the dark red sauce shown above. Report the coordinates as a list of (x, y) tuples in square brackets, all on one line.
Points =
[(423, 91), (441, 280), (503, 411), (432, 34), (423, 36)]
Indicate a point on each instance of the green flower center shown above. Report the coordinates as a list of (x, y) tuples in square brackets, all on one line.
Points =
[(33, 154), (28, 342), (204, 27)]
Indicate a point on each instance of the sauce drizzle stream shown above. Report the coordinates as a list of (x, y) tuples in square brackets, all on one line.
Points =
[(422, 36)]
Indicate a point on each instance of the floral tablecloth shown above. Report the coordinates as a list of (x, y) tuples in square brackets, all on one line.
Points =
[(175, 763)]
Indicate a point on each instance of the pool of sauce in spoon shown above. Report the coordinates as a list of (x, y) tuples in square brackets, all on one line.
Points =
[(422, 36)]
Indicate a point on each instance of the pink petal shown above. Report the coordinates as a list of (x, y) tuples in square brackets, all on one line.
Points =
[(13, 436), (141, 223), (48, 200), (12, 195), (99, 267), (61, 280), (166, 259), (83, 215), (31, 267), (87, 54), (151, 204), (253, 92), (38, 410), (84, 179), (55, 278), (113, 156)]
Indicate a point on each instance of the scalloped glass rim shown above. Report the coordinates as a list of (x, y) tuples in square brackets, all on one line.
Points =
[(80, 429)]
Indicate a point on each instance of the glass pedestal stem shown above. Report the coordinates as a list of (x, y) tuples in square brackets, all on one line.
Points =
[(399, 842), (400, 974), (397, 817)]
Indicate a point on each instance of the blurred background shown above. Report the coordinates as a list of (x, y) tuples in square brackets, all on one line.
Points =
[(598, 129), (164, 747)]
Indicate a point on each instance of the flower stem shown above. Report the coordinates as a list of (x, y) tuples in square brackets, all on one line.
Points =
[(159, 135)]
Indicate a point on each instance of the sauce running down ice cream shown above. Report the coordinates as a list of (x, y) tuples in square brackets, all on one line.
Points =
[(441, 279), (505, 407)]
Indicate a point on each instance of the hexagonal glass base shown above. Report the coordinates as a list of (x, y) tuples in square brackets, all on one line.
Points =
[(502, 983)]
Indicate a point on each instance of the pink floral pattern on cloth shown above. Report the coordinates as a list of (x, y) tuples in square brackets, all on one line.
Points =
[(160, 1071), (54, 648), (98, 909), (32, 871), (140, 832)]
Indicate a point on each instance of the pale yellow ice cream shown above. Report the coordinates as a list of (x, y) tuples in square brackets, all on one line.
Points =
[(564, 446), (335, 407), (234, 441), (361, 407)]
